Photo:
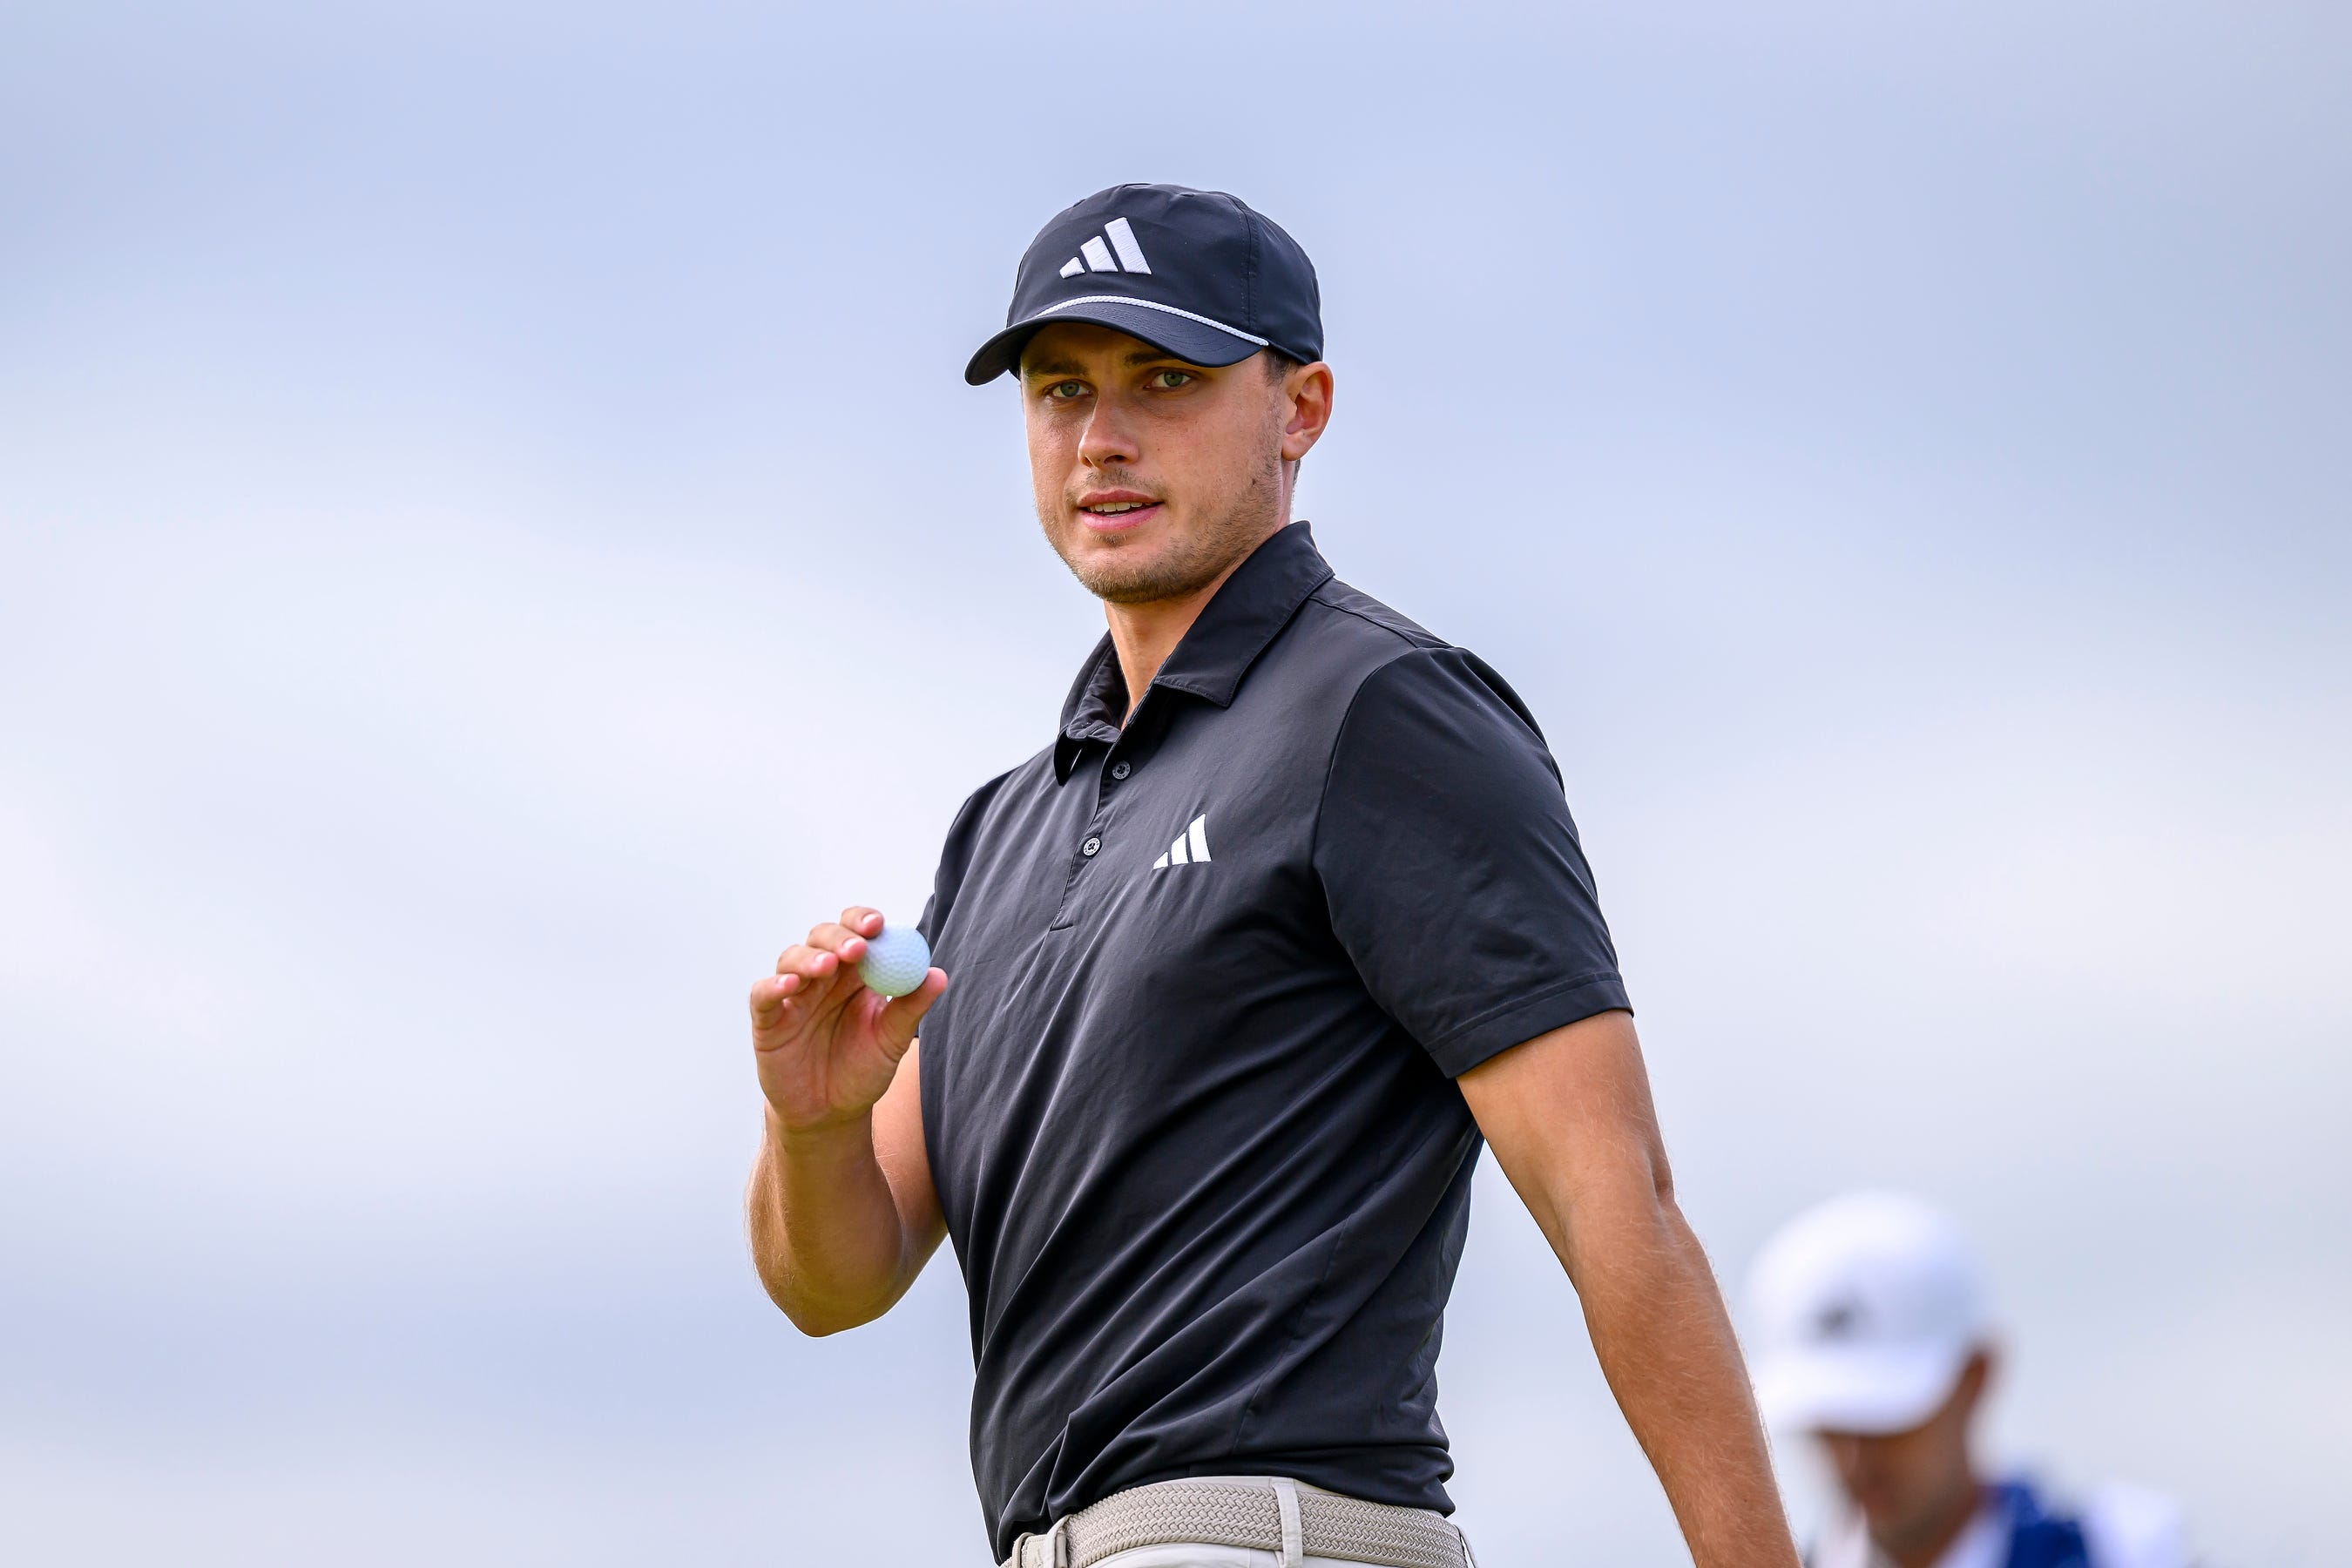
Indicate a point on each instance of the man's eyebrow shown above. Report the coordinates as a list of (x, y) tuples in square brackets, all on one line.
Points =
[(1053, 367)]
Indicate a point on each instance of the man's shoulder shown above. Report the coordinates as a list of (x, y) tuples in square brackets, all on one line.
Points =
[(1342, 654), (980, 831), (1362, 625), (1038, 764), (1363, 647), (984, 806)]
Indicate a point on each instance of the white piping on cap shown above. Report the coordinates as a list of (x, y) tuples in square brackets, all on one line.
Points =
[(1148, 305)]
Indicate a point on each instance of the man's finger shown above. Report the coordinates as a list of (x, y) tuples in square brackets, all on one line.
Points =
[(863, 921), (811, 962), (769, 995), (837, 939)]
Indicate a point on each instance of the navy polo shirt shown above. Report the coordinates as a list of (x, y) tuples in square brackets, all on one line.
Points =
[(1189, 1098)]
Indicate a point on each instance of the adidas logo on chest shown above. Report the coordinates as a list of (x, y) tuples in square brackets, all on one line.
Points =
[(1190, 849)]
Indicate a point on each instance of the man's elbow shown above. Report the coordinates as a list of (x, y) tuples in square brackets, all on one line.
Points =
[(820, 1319), (819, 1328), (1662, 1184), (810, 1319), (1623, 1214), (1669, 1233), (1633, 1182)]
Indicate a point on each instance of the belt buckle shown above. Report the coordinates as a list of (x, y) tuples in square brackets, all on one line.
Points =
[(1054, 1547)]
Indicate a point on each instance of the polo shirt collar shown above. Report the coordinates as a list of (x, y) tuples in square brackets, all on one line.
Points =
[(1224, 641)]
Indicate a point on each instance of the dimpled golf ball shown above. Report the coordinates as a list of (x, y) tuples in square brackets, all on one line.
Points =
[(895, 961)]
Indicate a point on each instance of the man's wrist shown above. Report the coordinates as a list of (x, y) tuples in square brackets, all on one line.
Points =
[(833, 1138)]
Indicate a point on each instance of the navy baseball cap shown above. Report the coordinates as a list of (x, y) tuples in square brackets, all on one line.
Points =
[(1196, 273)]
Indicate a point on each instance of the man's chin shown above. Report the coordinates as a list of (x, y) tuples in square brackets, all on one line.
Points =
[(1131, 576), (1122, 585), (1889, 1520)]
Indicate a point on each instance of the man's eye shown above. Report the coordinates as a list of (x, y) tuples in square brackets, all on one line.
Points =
[(1170, 380), (1067, 389)]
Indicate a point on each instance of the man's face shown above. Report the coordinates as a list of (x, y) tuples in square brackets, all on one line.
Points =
[(1154, 475), (1913, 1486)]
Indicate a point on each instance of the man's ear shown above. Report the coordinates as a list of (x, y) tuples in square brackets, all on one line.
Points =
[(1307, 390), (1976, 1374)]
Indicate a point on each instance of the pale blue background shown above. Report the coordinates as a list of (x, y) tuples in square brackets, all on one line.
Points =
[(493, 543)]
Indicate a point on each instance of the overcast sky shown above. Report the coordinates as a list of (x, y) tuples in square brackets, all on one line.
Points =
[(494, 542)]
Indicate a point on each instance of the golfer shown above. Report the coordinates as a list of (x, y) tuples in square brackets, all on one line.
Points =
[(1871, 1313), (1234, 976)]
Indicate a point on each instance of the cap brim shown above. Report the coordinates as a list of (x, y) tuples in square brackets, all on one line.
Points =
[(1188, 337), (1874, 1392)]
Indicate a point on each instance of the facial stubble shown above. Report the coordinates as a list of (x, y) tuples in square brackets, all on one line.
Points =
[(1190, 562)]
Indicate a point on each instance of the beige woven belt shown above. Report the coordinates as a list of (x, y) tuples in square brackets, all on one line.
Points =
[(1290, 1520)]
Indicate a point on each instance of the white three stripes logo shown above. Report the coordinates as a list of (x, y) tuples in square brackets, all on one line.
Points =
[(1094, 255), (1190, 845)]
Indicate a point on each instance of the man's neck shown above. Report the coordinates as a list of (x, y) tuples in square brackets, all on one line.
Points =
[(1926, 1547), (1143, 635)]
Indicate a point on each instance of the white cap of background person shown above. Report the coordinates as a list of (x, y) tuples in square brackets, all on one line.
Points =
[(1866, 1308)]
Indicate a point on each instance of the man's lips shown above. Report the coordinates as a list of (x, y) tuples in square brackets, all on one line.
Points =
[(1116, 511)]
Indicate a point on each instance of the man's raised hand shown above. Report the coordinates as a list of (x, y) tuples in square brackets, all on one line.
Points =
[(826, 1045)]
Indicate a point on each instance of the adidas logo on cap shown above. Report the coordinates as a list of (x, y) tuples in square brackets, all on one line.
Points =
[(1094, 255)]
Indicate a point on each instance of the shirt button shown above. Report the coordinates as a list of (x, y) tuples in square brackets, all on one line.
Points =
[(1089, 848), (1120, 769)]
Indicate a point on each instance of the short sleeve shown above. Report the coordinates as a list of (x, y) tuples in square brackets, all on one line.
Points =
[(1451, 865)]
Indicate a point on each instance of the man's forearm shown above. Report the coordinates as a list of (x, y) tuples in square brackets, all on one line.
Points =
[(1569, 1119), (1666, 1345), (826, 1235)]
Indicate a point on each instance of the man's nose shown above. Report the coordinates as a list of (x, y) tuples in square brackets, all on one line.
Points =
[(1109, 435)]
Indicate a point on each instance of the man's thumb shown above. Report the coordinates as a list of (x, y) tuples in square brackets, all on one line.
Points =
[(901, 1016)]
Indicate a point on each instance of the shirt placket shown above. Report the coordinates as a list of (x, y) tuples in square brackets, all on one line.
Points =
[(1112, 771)]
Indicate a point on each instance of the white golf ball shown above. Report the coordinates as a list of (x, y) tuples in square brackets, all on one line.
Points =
[(895, 961)]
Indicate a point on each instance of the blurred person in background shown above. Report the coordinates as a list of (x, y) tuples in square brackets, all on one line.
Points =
[(1873, 1336)]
